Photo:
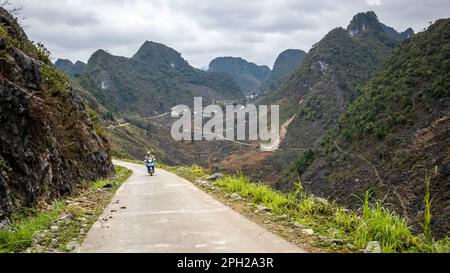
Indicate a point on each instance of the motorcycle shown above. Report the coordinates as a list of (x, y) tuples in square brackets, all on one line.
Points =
[(150, 164)]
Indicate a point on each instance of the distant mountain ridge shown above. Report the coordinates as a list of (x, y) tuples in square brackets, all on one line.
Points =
[(154, 80), (71, 69), (247, 75), (400, 37), (285, 65)]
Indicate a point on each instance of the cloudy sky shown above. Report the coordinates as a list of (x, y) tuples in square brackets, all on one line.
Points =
[(257, 30)]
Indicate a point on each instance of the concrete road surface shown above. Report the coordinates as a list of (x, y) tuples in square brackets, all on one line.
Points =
[(166, 213)]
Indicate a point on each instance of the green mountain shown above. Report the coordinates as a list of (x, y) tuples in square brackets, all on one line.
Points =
[(399, 37), (154, 80), (330, 78), (71, 69), (332, 75), (285, 65), (248, 76), (396, 133), (49, 140)]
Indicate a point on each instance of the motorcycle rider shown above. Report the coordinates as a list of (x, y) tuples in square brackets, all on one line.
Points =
[(148, 158)]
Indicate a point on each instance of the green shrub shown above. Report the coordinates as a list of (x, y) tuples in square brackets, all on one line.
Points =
[(312, 110), (41, 52), (305, 161), (55, 80)]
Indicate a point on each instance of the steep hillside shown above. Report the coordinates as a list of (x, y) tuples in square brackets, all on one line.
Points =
[(396, 133), (132, 142), (154, 80), (285, 65), (330, 78), (248, 76), (48, 142)]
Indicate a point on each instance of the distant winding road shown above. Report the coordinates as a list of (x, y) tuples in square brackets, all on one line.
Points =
[(166, 213)]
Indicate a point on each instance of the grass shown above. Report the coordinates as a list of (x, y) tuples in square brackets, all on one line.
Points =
[(258, 194), (427, 202), (121, 176), (374, 222), (19, 237), (190, 173), (84, 208)]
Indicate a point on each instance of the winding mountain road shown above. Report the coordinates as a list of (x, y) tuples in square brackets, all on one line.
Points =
[(166, 213)]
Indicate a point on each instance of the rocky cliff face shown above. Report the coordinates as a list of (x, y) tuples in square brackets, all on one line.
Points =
[(48, 143)]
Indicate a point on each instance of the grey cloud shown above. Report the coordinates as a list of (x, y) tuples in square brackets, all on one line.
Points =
[(201, 30), (52, 12)]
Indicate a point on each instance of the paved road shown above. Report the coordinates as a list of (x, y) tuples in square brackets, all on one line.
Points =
[(166, 213)]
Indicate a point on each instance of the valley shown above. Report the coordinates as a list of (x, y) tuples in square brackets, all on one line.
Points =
[(315, 92), (361, 163)]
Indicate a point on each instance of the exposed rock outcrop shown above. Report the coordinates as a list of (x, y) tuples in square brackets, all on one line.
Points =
[(48, 143)]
